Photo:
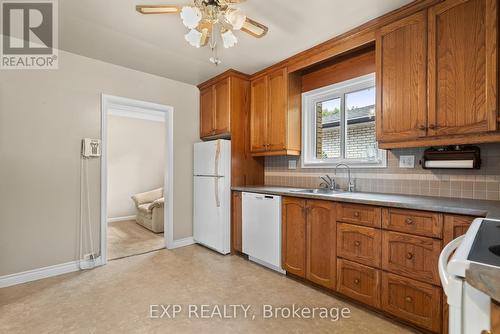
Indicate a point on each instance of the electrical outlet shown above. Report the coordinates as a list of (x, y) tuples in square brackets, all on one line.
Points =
[(292, 164), (407, 161)]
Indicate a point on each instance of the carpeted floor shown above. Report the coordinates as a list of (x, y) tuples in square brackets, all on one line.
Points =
[(126, 238), (117, 298)]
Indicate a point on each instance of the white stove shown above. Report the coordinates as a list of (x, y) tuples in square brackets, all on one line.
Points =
[(469, 307)]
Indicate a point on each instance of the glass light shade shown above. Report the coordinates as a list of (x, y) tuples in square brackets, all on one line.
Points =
[(194, 38), (190, 16), (229, 39), (236, 19)]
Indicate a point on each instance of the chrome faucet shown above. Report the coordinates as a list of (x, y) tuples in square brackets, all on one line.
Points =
[(328, 182), (350, 183)]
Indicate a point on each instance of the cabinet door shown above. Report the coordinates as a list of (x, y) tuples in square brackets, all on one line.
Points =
[(455, 226), (207, 120), (294, 236), (222, 106), (359, 243), (236, 222), (258, 115), (463, 59), (321, 241), (277, 118), (401, 56)]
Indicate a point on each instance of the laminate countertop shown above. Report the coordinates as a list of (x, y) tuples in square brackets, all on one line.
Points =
[(470, 207), (484, 278)]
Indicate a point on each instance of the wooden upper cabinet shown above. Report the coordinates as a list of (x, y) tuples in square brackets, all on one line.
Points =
[(207, 120), (321, 241), (222, 107), (294, 236), (463, 83), (275, 114), (401, 49), (258, 114), (215, 109), (277, 118)]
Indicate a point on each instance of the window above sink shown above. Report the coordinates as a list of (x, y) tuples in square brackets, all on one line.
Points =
[(338, 125)]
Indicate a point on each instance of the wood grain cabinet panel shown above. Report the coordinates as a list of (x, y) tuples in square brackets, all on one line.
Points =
[(277, 118), (455, 226), (463, 61), (401, 56), (236, 222), (411, 256), (423, 223), (321, 240), (222, 93), (294, 236), (258, 114), (366, 215), (413, 301), (207, 107), (359, 243), (359, 282)]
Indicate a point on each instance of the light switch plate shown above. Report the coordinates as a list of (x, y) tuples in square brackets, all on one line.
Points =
[(407, 161), (292, 164)]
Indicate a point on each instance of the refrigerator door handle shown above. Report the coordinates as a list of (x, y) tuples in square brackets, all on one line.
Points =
[(217, 157), (216, 188)]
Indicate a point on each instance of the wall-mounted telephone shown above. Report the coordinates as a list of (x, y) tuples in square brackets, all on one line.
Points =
[(91, 148)]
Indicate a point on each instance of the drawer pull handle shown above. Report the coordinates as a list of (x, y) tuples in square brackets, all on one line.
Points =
[(409, 256), (408, 299), (357, 243), (356, 281), (409, 221), (356, 214)]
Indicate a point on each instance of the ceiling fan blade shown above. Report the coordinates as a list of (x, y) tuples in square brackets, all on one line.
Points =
[(158, 9), (254, 28)]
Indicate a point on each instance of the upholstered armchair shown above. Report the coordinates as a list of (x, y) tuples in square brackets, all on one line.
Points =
[(150, 206)]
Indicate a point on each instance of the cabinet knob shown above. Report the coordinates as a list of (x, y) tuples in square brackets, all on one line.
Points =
[(356, 281), (422, 127), (409, 221), (408, 299), (357, 243), (409, 256), (356, 214)]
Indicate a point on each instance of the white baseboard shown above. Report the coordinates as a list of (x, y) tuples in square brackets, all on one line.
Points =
[(55, 270), (183, 242), (119, 219)]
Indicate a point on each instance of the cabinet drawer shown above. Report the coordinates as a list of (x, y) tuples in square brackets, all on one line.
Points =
[(359, 243), (359, 282), (366, 215), (411, 256), (423, 223), (413, 301)]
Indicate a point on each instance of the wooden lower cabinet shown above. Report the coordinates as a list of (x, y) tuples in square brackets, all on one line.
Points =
[(321, 239), (427, 224), (293, 234), (358, 282), (413, 301), (366, 215), (412, 256), (236, 222), (359, 243)]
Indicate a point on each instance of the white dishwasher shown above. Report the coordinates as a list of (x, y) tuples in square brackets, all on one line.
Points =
[(262, 229)]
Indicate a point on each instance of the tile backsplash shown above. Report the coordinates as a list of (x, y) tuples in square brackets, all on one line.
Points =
[(483, 183)]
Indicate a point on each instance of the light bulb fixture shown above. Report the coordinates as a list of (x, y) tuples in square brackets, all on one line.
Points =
[(236, 19), (191, 16), (194, 38), (228, 39)]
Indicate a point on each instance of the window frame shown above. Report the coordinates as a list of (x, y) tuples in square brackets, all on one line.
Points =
[(309, 102)]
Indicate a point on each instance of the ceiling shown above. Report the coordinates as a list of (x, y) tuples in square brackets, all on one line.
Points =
[(112, 31)]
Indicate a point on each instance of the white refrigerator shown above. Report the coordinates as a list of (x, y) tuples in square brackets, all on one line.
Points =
[(212, 195)]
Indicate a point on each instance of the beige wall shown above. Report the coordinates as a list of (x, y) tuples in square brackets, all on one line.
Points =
[(136, 161), (43, 117)]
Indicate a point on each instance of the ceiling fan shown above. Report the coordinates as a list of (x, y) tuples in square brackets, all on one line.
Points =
[(208, 19)]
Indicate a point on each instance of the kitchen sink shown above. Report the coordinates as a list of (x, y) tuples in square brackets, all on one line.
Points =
[(319, 191)]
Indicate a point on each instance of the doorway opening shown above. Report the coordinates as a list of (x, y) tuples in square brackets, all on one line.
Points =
[(136, 177)]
